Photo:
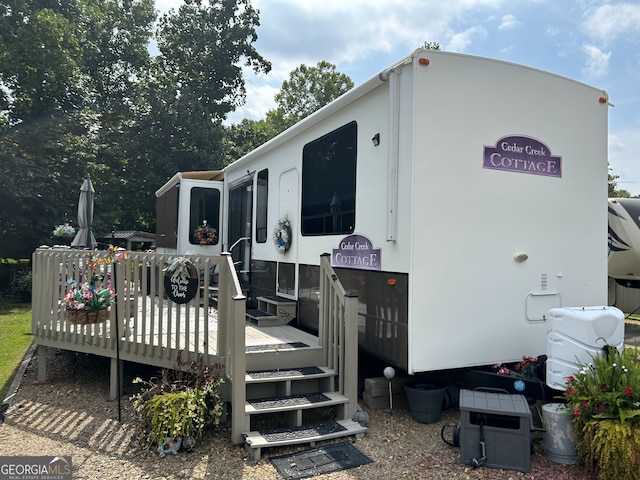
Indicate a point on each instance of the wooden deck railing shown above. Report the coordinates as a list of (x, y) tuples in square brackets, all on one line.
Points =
[(338, 332), (150, 329), (145, 327)]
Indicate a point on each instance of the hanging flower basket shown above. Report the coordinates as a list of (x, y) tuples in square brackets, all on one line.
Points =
[(205, 234), (86, 304), (64, 231), (86, 317), (282, 235)]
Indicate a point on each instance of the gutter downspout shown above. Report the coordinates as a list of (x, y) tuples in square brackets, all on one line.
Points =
[(393, 153)]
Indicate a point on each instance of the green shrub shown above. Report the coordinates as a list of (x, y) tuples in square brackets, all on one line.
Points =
[(21, 287), (179, 404), (611, 449), (605, 398)]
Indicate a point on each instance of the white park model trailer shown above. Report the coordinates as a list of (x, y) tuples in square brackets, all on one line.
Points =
[(461, 198)]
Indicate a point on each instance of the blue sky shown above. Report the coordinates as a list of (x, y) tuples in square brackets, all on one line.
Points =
[(593, 41)]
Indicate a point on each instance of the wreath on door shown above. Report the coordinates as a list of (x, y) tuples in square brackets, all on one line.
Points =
[(282, 235), (205, 234)]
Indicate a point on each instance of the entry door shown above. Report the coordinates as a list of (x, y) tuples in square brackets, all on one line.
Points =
[(240, 228), (287, 277)]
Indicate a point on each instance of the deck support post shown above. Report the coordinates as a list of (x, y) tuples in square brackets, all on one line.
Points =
[(42, 363), (113, 378)]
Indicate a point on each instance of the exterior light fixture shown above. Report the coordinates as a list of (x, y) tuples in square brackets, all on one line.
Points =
[(376, 140), (520, 257)]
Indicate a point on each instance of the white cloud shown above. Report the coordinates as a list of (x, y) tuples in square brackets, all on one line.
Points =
[(608, 22), (460, 41), (597, 63), (624, 146), (509, 22), (346, 31)]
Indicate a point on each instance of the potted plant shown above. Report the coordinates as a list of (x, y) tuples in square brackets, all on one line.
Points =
[(604, 396), (173, 410), (86, 304)]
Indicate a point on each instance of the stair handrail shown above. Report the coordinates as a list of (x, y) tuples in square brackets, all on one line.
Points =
[(338, 332), (231, 327)]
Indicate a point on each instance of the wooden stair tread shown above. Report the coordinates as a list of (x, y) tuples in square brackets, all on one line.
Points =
[(256, 314), (289, 374), (276, 300), (293, 403), (257, 439)]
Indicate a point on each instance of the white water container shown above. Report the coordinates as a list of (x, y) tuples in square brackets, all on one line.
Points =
[(575, 335)]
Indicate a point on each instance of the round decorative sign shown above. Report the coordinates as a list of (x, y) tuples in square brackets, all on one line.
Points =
[(180, 280)]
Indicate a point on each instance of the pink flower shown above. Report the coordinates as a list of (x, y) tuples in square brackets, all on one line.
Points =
[(571, 390), (576, 412), (628, 391), (600, 408), (570, 378), (585, 403)]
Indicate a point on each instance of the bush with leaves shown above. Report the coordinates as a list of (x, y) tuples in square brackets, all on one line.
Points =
[(179, 404), (605, 398), (21, 287)]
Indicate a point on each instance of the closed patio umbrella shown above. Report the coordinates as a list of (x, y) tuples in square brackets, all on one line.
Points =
[(85, 237)]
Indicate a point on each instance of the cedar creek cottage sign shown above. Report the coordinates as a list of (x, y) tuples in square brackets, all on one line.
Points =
[(522, 154), (356, 251)]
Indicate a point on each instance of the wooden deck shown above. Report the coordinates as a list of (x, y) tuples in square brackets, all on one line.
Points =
[(145, 327)]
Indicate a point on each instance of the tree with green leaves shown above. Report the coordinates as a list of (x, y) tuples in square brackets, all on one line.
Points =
[(308, 89), (614, 191), (81, 94), (431, 45)]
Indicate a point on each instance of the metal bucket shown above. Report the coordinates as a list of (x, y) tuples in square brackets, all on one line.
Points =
[(558, 442)]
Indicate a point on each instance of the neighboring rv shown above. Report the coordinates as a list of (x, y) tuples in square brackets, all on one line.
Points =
[(624, 239), (624, 254), (460, 197)]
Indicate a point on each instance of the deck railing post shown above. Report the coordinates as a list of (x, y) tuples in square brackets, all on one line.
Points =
[(350, 353), (232, 314), (224, 293)]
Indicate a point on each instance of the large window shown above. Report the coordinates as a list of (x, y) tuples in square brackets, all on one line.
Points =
[(205, 205), (329, 183), (261, 206)]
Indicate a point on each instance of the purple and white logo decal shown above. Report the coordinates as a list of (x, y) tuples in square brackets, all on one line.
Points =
[(356, 251), (522, 154)]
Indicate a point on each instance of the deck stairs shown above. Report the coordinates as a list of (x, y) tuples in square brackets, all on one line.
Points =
[(292, 395), (272, 310)]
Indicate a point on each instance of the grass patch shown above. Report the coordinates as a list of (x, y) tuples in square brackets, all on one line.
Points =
[(15, 325)]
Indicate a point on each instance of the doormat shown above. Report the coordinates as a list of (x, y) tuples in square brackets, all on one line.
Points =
[(318, 461)]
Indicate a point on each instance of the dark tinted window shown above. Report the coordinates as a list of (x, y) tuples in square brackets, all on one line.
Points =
[(261, 206), (205, 205), (329, 183)]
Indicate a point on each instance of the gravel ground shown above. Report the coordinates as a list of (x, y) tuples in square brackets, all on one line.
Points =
[(70, 414)]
